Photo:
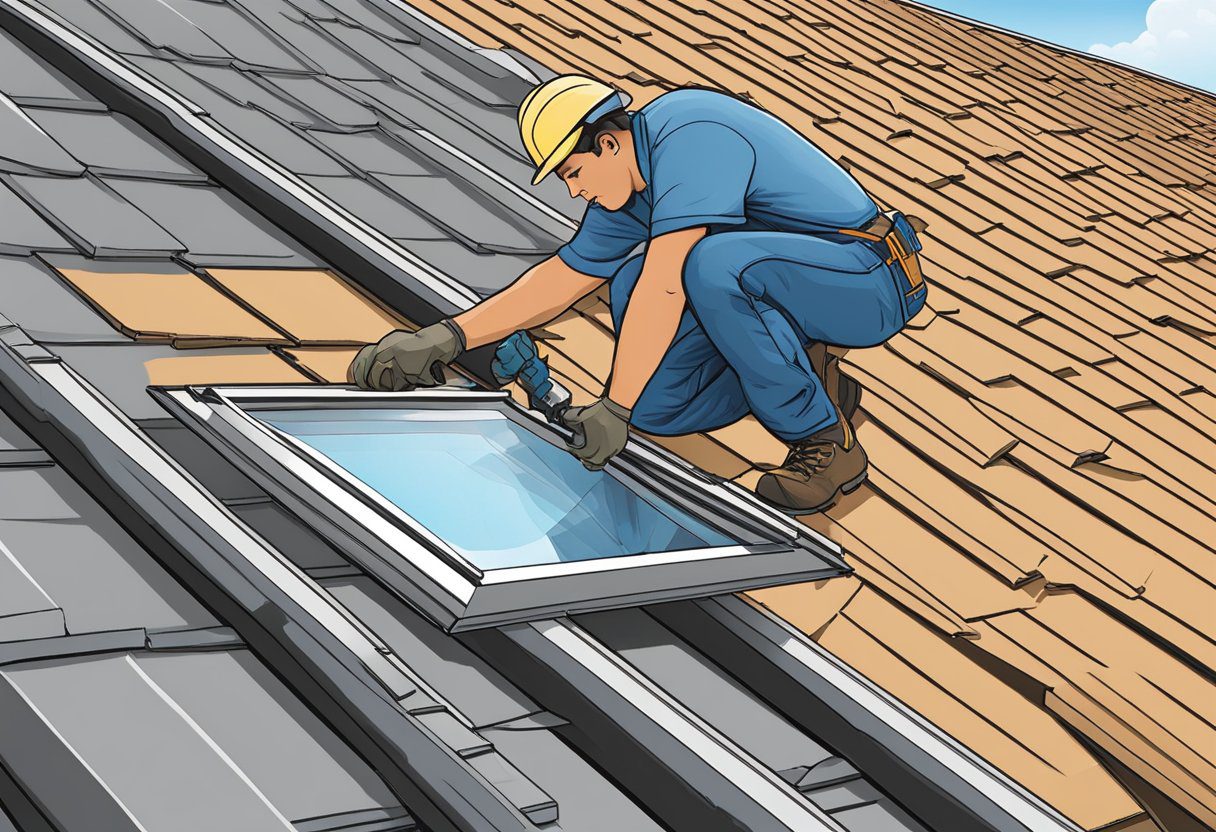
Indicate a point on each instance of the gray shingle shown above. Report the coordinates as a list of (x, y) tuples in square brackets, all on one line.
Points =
[(27, 80), (36, 494), (94, 218), (98, 575), (828, 773), (27, 611), (469, 214), (150, 758), (705, 688), (884, 816), (338, 109), (375, 152), (452, 733), (328, 57), (457, 674), (302, 767), (23, 230), (110, 143), (290, 148), (38, 301), (159, 25), (389, 214), (586, 800), (210, 222), (26, 148), (88, 18), (845, 795), (246, 40), (291, 537), (367, 15)]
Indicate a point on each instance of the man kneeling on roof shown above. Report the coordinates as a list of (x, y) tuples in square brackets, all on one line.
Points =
[(760, 251)]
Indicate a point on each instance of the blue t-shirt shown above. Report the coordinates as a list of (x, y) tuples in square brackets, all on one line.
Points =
[(711, 159)]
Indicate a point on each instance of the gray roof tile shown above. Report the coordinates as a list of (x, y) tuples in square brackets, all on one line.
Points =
[(883, 816), (160, 25), (99, 575), (23, 230), (586, 801), (88, 18), (367, 15), (375, 152), (246, 40), (231, 229), (26, 79), (110, 143), (36, 494), (26, 610), (452, 733), (467, 214), (292, 150), (387, 213), (94, 218), (38, 301), (330, 58), (845, 795), (301, 765), (319, 97), (26, 148), (167, 761), (456, 673)]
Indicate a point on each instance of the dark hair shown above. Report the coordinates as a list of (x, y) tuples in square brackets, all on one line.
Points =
[(588, 141)]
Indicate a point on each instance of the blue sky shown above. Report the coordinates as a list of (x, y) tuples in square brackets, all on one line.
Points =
[(1175, 38)]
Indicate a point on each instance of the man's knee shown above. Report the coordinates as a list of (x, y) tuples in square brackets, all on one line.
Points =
[(714, 264)]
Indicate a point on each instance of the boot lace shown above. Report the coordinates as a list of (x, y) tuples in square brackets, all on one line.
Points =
[(810, 458)]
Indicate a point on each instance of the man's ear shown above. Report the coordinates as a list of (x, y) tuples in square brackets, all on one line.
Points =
[(609, 143)]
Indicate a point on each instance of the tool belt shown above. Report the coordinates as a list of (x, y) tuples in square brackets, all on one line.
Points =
[(897, 233)]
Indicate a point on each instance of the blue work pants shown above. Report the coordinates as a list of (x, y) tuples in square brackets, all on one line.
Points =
[(755, 300)]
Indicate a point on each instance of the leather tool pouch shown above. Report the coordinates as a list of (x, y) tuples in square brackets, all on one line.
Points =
[(904, 245)]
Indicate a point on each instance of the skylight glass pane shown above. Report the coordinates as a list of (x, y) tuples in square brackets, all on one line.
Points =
[(496, 492)]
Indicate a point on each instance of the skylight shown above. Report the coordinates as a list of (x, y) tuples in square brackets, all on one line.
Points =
[(470, 508)]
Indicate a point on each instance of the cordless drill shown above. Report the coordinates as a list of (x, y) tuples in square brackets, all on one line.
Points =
[(516, 359)]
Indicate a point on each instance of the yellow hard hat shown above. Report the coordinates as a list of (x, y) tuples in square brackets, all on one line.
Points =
[(552, 116)]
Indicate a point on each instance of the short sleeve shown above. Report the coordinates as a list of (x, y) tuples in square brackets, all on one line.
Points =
[(603, 241), (700, 173)]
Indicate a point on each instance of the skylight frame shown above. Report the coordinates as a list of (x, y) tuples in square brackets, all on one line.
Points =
[(430, 574)]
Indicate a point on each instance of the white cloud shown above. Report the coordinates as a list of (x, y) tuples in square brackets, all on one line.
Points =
[(1178, 41)]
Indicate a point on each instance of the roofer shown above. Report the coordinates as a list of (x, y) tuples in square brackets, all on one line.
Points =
[(760, 250)]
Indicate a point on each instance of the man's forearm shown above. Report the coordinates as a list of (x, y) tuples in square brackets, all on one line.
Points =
[(653, 317), (539, 295)]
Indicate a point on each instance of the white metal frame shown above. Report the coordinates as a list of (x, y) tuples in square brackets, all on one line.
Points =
[(436, 579)]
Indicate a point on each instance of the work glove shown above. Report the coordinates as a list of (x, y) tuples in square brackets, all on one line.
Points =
[(603, 428), (403, 360)]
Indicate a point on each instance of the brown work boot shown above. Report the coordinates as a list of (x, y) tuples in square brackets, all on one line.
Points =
[(844, 391), (816, 472)]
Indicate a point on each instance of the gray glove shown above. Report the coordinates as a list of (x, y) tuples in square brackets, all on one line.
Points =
[(603, 427), (404, 360)]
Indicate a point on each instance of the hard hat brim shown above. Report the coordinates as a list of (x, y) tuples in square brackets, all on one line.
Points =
[(558, 155)]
